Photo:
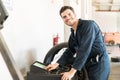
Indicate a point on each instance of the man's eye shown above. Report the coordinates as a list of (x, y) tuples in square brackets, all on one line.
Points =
[(64, 17)]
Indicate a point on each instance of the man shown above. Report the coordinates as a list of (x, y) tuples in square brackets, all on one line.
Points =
[(87, 43)]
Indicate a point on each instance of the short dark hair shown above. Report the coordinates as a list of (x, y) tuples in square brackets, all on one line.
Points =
[(64, 8)]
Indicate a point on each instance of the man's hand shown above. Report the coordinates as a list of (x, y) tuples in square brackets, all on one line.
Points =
[(68, 75), (52, 66)]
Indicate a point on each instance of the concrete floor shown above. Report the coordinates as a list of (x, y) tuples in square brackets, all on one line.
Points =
[(115, 71), (115, 66)]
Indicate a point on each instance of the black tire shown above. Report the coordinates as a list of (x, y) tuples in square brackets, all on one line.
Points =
[(53, 51), (115, 59)]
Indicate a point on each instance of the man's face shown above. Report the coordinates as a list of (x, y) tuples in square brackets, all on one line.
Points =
[(68, 17)]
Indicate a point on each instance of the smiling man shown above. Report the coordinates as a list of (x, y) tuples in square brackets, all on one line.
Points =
[(87, 43)]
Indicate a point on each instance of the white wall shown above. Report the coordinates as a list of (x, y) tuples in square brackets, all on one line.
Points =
[(106, 20), (118, 21), (30, 27)]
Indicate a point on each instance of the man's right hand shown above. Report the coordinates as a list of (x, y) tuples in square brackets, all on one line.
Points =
[(52, 66)]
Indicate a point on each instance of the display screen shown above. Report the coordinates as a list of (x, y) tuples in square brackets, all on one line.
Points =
[(39, 65)]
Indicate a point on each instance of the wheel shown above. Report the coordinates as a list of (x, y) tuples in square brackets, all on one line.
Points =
[(82, 75), (53, 51), (115, 59)]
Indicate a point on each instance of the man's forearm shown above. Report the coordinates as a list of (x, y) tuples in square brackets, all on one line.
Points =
[(73, 71)]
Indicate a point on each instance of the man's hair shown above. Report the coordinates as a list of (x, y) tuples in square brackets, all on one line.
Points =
[(65, 8)]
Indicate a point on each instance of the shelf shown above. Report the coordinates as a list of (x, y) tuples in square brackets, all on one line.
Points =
[(105, 4)]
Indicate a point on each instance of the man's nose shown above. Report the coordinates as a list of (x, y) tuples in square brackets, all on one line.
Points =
[(67, 17)]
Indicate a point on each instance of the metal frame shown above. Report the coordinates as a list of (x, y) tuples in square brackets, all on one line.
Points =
[(14, 71)]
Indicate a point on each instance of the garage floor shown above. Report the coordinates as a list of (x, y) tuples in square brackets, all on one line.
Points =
[(115, 66), (115, 71)]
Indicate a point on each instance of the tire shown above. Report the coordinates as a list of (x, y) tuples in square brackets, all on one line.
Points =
[(54, 50), (115, 59)]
